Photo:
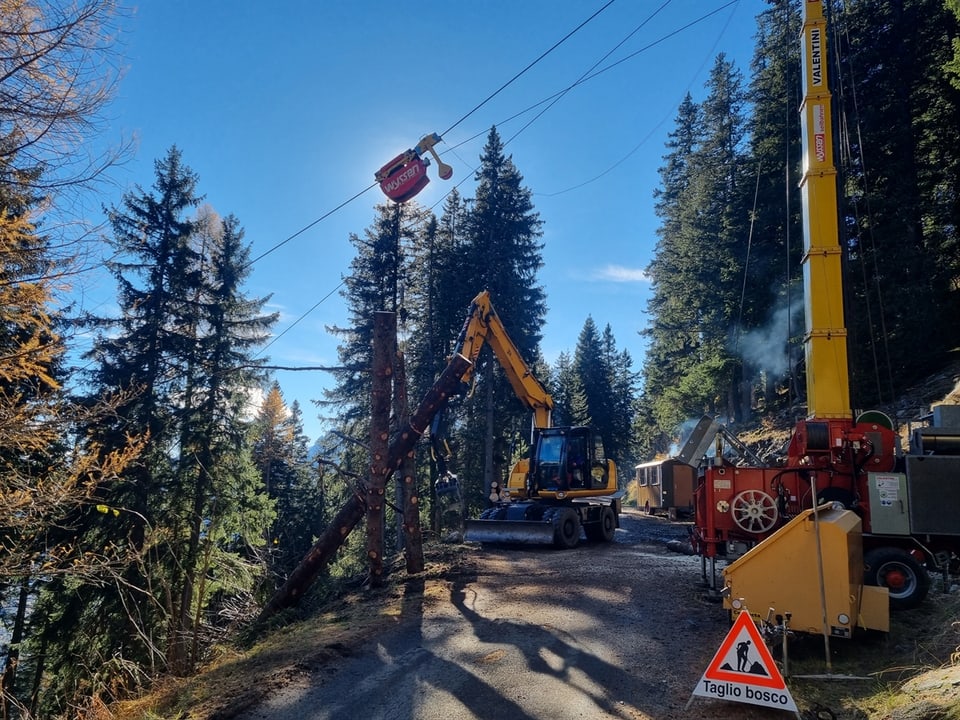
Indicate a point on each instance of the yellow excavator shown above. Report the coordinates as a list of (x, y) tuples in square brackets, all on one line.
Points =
[(567, 484)]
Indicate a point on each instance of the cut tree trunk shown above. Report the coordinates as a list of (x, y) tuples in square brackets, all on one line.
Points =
[(346, 519), (384, 348), (411, 535)]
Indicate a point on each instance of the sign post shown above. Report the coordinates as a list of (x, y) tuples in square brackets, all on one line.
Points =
[(743, 670)]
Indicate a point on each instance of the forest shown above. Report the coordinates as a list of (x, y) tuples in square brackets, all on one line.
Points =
[(156, 490)]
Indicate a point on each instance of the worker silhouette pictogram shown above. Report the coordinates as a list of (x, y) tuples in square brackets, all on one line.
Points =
[(743, 649), (743, 661)]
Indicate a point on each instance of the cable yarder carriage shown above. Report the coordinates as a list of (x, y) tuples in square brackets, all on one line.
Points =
[(405, 176)]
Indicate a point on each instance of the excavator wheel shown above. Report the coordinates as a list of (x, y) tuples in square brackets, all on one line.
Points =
[(604, 529), (566, 523)]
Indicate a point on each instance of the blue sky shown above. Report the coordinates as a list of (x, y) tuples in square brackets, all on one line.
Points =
[(285, 111)]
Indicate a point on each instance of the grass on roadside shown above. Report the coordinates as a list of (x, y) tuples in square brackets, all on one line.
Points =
[(911, 672)]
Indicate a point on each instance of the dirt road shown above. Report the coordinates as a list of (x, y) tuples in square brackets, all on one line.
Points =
[(601, 631)]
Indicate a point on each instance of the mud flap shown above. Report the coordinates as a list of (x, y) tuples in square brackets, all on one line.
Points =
[(510, 531)]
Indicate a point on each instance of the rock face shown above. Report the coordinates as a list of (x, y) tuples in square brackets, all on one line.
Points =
[(935, 696)]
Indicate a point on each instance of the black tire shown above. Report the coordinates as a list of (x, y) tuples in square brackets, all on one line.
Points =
[(607, 525), (566, 529), (603, 529), (898, 571)]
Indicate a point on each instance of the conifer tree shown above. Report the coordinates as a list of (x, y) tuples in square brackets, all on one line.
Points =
[(900, 170), (698, 271), (605, 378), (569, 403), (47, 482), (138, 353), (214, 474), (718, 243), (136, 360), (438, 292), (774, 297), (179, 359), (379, 281), (673, 331), (503, 255), (438, 299), (623, 391), (280, 454), (952, 66), (54, 85)]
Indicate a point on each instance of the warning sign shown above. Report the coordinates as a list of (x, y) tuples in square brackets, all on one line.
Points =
[(744, 671)]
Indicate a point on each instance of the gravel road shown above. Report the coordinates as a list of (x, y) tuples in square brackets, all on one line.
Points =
[(618, 630)]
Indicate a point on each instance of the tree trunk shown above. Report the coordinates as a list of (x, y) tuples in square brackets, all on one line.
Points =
[(488, 435), (325, 548), (8, 680), (384, 344), (409, 496)]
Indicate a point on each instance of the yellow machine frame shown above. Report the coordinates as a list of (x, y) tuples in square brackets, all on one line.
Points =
[(825, 342)]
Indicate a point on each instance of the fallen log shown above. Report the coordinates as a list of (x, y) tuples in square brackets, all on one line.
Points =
[(346, 519)]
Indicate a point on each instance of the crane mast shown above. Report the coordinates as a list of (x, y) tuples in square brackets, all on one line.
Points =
[(825, 340)]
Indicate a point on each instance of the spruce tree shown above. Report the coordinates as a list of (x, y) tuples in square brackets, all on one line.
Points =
[(623, 392), (438, 299), (179, 358), (718, 242), (137, 357), (438, 295), (672, 332), (378, 281), (772, 315), (137, 354), (569, 403), (605, 382), (900, 171), (214, 473), (952, 66), (503, 255)]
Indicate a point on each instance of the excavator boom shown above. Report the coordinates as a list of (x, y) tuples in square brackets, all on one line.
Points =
[(483, 325)]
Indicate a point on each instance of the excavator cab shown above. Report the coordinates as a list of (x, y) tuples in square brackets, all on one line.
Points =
[(549, 472), (568, 460)]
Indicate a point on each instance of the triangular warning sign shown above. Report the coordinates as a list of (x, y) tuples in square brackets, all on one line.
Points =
[(743, 657), (743, 670)]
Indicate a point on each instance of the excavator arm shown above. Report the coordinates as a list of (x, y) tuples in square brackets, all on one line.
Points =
[(483, 325)]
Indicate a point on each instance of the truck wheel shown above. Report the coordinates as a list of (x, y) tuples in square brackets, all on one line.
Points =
[(566, 529), (899, 572)]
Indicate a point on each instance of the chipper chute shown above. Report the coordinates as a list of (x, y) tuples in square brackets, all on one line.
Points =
[(810, 571)]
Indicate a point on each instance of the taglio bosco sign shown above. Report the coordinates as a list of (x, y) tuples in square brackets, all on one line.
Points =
[(744, 671)]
